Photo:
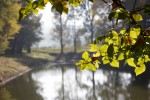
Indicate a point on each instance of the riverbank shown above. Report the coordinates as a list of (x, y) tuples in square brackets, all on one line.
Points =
[(16, 65), (10, 69), (13, 66)]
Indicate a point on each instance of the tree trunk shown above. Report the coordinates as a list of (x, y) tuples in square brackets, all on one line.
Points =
[(63, 91), (93, 80), (75, 45), (29, 49), (76, 77), (13, 45), (61, 36)]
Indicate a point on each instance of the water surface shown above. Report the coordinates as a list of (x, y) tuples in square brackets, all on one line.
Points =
[(65, 83)]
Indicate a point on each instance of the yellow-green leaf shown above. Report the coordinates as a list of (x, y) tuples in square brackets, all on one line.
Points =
[(115, 63), (83, 67), (45, 1), (115, 34), (103, 48), (130, 62), (65, 7), (75, 2), (134, 32), (96, 64), (85, 55), (147, 58), (140, 70), (137, 17), (91, 67), (123, 31), (121, 56), (35, 11), (97, 54), (93, 48), (105, 60)]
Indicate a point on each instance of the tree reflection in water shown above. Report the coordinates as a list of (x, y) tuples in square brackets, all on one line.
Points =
[(5, 94), (66, 83), (109, 85)]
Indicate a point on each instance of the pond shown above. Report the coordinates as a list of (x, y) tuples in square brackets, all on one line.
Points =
[(68, 83)]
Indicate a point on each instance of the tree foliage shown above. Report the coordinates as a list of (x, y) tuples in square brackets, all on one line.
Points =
[(28, 35), (131, 43), (8, 23)]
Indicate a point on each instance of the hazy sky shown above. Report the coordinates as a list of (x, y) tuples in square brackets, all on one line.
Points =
[(47, 25)]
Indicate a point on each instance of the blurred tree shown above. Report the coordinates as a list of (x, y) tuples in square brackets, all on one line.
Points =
[(8, 22), (75, 29), (130, 43), (28, 35), (60, 31)]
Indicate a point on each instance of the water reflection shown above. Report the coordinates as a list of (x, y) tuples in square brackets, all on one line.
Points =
[(22, 88), (62, 83), (5, 94), (67, 83)]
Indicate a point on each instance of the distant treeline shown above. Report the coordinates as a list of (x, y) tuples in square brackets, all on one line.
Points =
[(17, 36)]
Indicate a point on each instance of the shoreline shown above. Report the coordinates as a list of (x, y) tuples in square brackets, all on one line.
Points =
[(11, 68), (8, 79)]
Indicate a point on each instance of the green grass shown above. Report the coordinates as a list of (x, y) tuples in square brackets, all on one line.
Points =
[(12, 65), (9, 67)]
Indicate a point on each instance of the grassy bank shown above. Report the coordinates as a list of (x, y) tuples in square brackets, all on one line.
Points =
[(9, 68), (12, 66)]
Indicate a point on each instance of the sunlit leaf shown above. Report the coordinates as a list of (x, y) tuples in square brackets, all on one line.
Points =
[(103, 48), (35, 4), (137, 17), (93, 48), (97, 54), (41, 7), (96, 64), (134, 32), (147, 58), (117, 15), (108, 40), (105, 60), (115, 34), (123, 31), (35, 11), (115, 49), (65, 7), (115, 63), (140, 70), (121, 56), (130, 62), (21, 13), (45, 1), (85, 55), (99, 38), (91, 67), (83, 67), (75, 2)]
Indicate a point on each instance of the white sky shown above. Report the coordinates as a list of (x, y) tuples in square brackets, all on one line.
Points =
[(47, 25)]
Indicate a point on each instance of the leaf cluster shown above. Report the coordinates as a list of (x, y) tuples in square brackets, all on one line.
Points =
[(59, 5), (130, 44)]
